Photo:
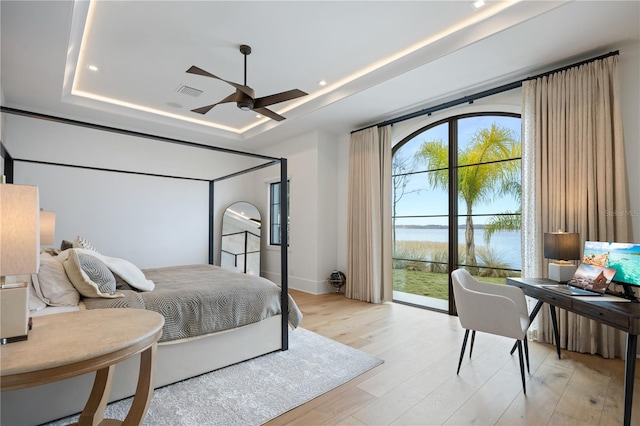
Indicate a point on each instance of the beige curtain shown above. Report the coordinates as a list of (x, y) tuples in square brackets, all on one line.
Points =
[(369, 216), (574, 179)]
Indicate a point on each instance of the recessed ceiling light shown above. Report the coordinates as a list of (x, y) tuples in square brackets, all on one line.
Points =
[(478, 4), (322, 83), (93, 67), (258, 115)]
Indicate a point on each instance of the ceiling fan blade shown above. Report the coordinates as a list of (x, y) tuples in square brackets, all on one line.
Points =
[(277, 98), (205, 109), (195, 70), (268, 113), (199, 71)]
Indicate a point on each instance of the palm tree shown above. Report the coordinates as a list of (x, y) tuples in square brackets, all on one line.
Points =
[(507, 221), (482, 171)]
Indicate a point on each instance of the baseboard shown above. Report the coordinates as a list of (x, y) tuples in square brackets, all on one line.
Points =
[(301, 284)]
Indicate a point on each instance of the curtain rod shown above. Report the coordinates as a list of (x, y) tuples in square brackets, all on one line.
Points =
[(485, 93)]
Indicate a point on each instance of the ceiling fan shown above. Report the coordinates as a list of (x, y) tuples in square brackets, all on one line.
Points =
[(244, 96)]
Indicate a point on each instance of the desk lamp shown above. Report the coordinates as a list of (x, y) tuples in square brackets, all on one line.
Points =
[(19, 255), (562, 248)]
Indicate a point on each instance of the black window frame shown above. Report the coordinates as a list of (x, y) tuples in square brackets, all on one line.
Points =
[(453, 167), (274, 214)]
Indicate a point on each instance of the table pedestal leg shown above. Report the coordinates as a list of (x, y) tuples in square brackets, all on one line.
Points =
[(144, 389), (93, 412)]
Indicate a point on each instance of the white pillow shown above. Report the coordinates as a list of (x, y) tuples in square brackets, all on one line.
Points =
[(128, 272), (52, 285)]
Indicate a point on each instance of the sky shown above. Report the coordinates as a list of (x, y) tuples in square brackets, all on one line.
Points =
[(435, 202)]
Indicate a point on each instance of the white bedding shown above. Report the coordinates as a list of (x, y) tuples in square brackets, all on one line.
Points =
[(49, 310)]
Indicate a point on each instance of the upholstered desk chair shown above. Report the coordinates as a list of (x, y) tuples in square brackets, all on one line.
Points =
[(491, 308)]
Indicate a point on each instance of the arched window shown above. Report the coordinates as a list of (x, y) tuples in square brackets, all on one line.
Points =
[(456, 202)]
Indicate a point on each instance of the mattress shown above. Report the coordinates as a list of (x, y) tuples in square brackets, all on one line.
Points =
[(196, 300)]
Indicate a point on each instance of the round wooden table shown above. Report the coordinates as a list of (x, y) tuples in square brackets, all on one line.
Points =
[(66, 345)]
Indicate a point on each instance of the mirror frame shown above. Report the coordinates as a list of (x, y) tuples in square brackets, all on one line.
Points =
[(241, 243)]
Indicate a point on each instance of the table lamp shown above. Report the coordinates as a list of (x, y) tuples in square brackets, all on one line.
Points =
[(562, 248), (47, 227), (19, 255)]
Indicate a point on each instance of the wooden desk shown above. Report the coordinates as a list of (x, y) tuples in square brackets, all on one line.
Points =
[(65, 345), (623, 316)]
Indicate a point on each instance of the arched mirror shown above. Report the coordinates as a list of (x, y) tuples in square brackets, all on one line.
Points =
[(240, 246)]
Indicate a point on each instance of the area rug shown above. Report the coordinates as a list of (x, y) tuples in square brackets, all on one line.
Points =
[(255, 391)]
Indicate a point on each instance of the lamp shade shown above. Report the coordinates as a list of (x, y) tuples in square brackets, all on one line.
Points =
[(19, 230), (47, 227), (562, 246)]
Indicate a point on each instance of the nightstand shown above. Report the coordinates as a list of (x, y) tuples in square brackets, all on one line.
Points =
[(66, 345)]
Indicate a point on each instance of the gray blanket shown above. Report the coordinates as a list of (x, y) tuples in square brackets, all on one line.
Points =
[(202, 299)]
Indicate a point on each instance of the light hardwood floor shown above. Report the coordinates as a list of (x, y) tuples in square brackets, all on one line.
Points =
[(418, 385)]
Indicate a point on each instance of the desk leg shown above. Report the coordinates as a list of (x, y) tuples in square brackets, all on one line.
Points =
[(556, 333), (144, 389), (93, 412), (532, 316), (629, 375)]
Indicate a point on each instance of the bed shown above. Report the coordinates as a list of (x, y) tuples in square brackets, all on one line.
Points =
[(213, 318), (176, 359)]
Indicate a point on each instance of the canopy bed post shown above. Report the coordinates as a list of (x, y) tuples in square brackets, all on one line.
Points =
[(284, 246), (211, 220)]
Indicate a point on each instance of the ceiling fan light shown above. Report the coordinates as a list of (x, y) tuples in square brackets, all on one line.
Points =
[(245, 105)]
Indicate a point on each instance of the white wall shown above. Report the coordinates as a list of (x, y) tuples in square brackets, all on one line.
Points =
[(630, 105), (312, 169), (151, 221), (328, 209)]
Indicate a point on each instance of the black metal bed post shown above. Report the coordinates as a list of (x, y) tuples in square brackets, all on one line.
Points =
[(246, 249), (284, 246), (211, 215)]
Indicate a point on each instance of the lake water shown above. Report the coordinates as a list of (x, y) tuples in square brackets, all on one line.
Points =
[(506, 245)]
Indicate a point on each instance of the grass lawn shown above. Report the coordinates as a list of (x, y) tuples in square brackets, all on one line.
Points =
[(431, 284)]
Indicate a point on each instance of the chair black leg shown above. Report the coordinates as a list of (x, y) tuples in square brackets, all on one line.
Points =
[(464, 345), (526, 353), (473, 339), (524, 387)]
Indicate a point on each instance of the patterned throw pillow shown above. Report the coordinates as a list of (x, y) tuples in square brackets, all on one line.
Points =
[(81, 242), (90, 276), (98, 272)]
